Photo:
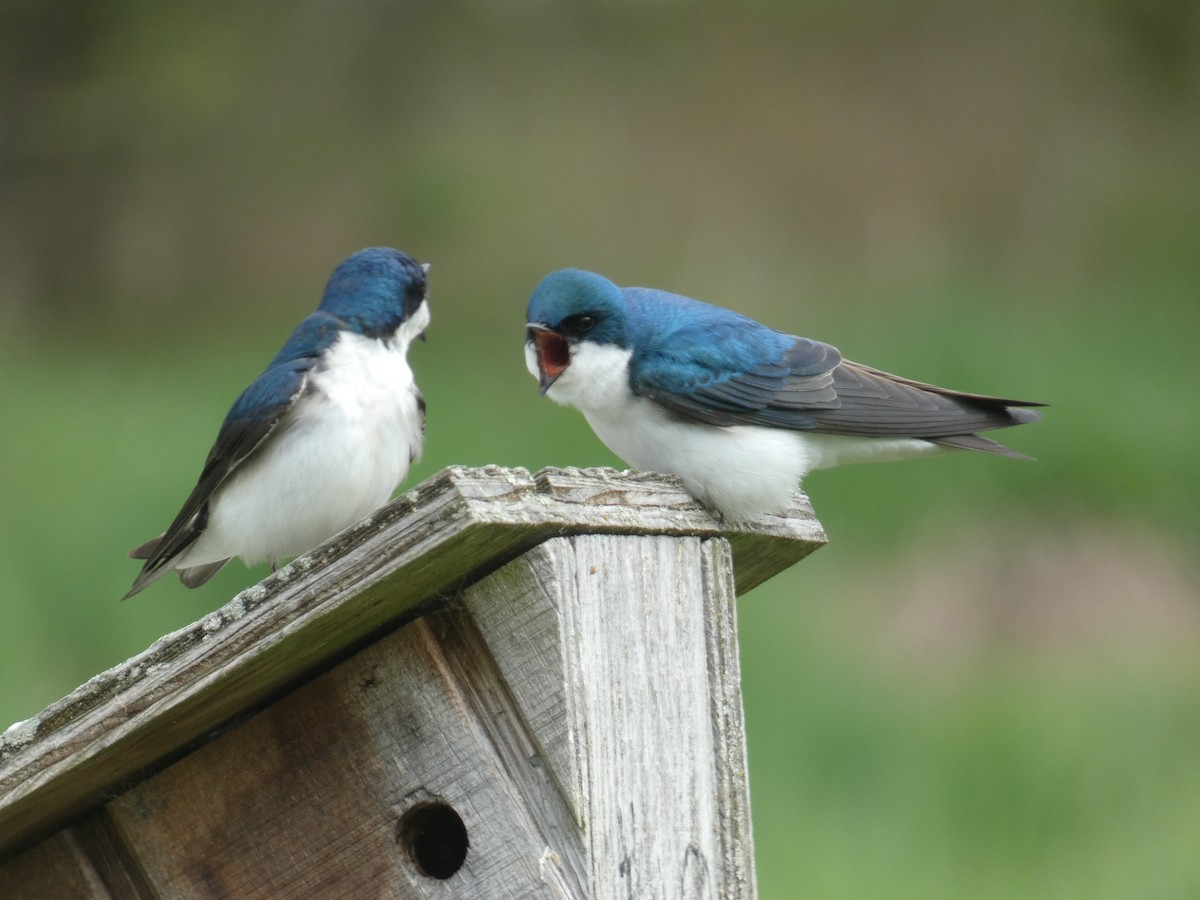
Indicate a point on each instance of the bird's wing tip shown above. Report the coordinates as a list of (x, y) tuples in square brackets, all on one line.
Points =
[(1023, 415)]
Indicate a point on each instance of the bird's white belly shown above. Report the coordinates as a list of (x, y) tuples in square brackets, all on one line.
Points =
[(340, 454), (741, 471)]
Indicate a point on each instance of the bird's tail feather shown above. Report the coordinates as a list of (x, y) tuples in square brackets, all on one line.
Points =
[(978, 442), (196, 575), (193, 576), (146, 550)]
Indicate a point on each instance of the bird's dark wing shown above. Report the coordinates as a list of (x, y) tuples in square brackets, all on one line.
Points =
[(257, 413), (732, 384), (809, 387)]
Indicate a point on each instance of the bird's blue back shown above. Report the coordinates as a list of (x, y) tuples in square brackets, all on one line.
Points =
[(274, 389), (681, 344)]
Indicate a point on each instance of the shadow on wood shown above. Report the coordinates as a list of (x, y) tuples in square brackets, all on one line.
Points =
[(564, 721)]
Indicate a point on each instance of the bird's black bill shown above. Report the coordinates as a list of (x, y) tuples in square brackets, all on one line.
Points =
[(553, 354)]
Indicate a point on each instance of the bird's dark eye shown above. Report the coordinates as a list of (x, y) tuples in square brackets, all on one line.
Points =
[(582, 323)]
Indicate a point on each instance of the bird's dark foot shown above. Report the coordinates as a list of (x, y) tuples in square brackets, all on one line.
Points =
[(716, 514)]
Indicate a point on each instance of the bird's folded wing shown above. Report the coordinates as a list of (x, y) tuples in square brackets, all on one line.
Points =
[(811, 388), (257, 413)]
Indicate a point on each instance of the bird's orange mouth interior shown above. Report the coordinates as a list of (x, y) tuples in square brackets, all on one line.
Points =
[(553, 352)]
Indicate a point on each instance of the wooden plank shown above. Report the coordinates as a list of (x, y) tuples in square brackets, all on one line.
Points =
[(56, 869), (730, 764), (485, 690), (634, 704), (444, 534), (518, 611), (114, 862), (307, 798)]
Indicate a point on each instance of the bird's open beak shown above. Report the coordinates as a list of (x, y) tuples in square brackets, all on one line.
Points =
[(553, 354)]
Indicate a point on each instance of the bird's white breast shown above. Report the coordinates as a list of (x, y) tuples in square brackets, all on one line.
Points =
[(740, 471), (337, 456)]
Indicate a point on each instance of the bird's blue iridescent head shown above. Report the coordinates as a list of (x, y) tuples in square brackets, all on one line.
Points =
[(580, 305), (570, 306), (375, 290)]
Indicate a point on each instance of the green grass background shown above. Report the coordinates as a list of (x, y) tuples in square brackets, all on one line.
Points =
[(988, 684)]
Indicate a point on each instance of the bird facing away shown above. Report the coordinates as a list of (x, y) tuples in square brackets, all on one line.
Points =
[(739, 411), (319, 440)]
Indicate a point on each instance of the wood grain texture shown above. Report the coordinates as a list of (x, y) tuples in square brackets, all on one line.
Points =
[(56, 869), (115, 863), (634, 705), (443, 535)]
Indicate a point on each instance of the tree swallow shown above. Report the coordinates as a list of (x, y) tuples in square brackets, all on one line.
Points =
[(319, 440), (739, 411)]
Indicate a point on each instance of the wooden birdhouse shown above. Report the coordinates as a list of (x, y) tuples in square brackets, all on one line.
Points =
[(500, 685)]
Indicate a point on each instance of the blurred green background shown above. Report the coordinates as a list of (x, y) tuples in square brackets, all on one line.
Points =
[(988, 684)]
